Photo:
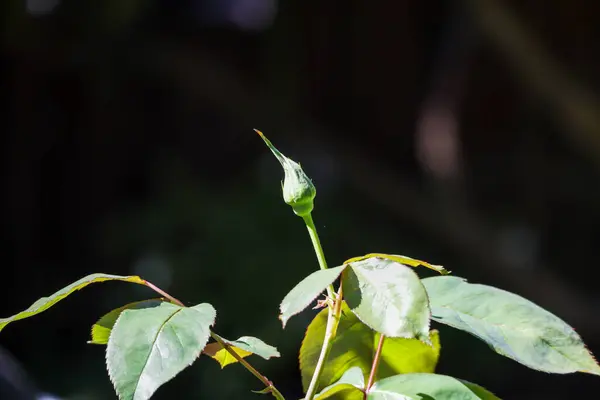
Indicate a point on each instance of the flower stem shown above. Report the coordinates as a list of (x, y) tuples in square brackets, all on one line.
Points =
[(333, 320), (314, 237), (375, 365), (333, 316), (270, 388)]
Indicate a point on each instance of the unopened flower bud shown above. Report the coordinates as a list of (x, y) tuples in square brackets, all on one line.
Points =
[(298, 190)]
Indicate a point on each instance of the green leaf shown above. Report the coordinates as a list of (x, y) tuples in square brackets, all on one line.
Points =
[(349, 387), (354, 346), (388, 297), (148, 347), (513, 326), (46, 302), (481, 392), (402, 260), (423, 386), (101, 329), (306, 291), (244, 346)]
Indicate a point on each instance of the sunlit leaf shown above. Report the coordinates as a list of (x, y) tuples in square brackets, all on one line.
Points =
[(388, 297), (243, 347), (306, 291), (46, 302), (101, 329), (512, 326), (354, 346), (424, 386), (348, 387), (148, 347), (402, 260)]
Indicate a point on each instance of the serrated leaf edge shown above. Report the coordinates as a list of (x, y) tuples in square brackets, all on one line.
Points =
[(498, 351), (112, 378)]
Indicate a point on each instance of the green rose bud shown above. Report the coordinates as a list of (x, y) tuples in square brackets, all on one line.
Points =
[(298, 190)]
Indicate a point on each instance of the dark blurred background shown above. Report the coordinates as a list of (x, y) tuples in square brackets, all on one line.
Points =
[(465, 133)]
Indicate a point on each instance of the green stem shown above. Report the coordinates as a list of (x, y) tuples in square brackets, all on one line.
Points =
[(333, 316), (314, 237), (333, 320), (268, 384), (375, 365)]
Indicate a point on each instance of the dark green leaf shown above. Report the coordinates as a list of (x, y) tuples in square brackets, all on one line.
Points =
[(46, 302), (306, 291), (482, 393), (422, 386), (354, 346), (244, 346), (349, 387), (101, 329), (388, 297), (148, 347), (513, 326)]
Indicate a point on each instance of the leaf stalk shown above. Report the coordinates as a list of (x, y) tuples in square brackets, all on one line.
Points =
[(163, 293), (268, 384)]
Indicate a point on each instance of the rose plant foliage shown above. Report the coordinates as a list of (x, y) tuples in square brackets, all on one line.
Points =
[(371, 340)]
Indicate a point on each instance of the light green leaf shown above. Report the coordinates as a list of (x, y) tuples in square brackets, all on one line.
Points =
[(306, 291), (148, 347), (349, 387), (402, 260), (46, 302), (388, 297), (422, 386), (513, 326), (244, 346), (354, 346), (101, 329)]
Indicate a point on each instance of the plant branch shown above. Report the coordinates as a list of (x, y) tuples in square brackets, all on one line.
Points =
[(375, 365), (163, 293), (333, 320), (268, 384), (314, 237)]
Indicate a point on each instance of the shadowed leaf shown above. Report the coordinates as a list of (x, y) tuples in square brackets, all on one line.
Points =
[(354, 346)]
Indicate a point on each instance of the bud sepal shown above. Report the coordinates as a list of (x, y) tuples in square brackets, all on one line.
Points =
[(298, 190)]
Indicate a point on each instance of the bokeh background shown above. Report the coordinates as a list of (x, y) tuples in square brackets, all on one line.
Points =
[(465, 133)]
